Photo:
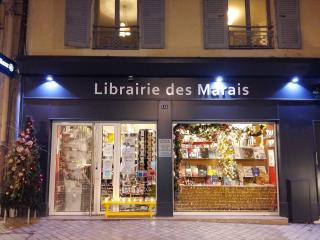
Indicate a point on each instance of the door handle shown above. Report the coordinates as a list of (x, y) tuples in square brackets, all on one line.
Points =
[(317, 162)]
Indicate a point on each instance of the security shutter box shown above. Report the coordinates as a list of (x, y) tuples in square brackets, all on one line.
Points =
[(152, 23), (215, 24), (77, 23), (288, 23)]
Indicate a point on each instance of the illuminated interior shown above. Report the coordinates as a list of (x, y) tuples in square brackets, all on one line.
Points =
[(258, 13), (237, 13), (128, 13)]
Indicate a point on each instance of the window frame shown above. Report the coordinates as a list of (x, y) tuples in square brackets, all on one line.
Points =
[(134, 45), (248, 28)]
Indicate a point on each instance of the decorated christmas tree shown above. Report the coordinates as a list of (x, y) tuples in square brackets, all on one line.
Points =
[(22, 177)]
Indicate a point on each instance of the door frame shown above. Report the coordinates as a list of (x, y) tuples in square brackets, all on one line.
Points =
[(316, 134)]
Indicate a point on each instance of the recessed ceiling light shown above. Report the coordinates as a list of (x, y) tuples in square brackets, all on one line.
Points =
[(295, 79), (219, 79), (49, 78)]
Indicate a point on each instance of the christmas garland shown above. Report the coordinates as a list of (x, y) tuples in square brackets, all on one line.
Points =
[(211, 132), (22, 178)]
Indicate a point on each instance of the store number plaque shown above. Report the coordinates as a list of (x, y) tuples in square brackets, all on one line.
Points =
[(164, 147)]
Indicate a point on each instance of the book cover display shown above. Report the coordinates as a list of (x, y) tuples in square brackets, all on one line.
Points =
[(251, 148)]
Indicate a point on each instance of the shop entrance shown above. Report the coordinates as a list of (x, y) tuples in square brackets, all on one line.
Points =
[(94, 161), (225, 166), (317, 143)]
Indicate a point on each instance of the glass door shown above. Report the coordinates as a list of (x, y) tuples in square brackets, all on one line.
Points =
[(138, 163), (71, 168), (91, 162), (107, 164), (126, 164)]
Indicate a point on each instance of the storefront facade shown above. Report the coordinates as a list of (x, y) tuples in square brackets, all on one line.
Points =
[(119, 117)]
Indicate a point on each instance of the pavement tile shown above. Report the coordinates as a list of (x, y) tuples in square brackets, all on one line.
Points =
[(46, 229)]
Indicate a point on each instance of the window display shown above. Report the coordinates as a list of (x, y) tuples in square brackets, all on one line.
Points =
[(132, 175), (107, 162), (239, 158), (73, 168), (138, 164)]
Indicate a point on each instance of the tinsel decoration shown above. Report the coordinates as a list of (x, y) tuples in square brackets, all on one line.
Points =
[(211, 132), (22, 177), (178, 157), (226, 162)]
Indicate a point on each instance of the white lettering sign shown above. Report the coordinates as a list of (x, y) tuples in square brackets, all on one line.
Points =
[(9, 66), (215, 89)]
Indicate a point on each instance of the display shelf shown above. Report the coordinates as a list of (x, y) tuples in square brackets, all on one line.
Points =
[(252, 185), (199, 159), (215, 162), (196, 176), (198, 143), (217, 159)]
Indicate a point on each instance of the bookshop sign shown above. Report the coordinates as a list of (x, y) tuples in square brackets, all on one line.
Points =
[(201, 90), (169, 89), (7, 66)]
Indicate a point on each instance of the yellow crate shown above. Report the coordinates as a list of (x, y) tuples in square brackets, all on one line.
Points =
[(107, 204)]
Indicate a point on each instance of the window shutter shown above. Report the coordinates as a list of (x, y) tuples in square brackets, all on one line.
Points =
[(215, 24), (77, 23), (152, 23), (288, 24)]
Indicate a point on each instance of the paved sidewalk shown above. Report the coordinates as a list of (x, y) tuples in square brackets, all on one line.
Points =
[(46, 229)]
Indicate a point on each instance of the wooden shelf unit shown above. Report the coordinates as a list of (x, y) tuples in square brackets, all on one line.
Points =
[(214, 162)]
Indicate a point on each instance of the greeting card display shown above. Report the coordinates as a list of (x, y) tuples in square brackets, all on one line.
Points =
[(255, 171), (195, 171), (247, 171), (202, 170), (259, 153), (243, 152)]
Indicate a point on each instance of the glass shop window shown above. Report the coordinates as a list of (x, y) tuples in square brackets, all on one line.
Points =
[(72, 179), (225, 166)]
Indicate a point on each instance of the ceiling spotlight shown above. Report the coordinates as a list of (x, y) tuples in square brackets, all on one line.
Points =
[(295, 79), (219, 79), (49, 78), (130, 78)]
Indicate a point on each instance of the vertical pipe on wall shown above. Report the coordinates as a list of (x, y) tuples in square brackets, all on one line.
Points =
[(8, 51)]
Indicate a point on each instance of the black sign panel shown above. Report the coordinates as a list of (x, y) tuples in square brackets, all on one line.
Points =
[(169, 88)]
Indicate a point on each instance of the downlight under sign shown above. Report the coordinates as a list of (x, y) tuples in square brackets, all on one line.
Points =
[(7, 66)]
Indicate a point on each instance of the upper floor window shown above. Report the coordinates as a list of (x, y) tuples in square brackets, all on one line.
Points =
[(116, 24), (249, 24), (244, 24)]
